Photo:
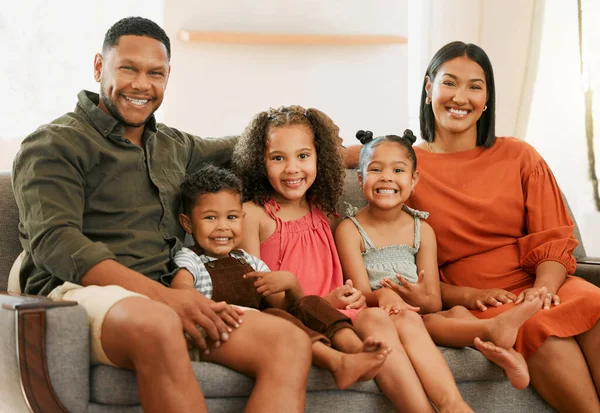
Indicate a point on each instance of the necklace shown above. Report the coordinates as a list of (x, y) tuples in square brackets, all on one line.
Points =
[(432, 150)]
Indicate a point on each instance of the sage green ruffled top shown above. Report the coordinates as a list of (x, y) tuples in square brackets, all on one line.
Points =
[(386, 262)]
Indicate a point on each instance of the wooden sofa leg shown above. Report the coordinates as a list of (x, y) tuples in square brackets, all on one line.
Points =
[(33, 365)]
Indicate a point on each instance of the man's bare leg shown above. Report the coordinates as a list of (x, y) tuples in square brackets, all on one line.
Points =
[(147, 336), (276, 353)]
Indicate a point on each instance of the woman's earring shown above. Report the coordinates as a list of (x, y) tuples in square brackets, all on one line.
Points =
[(485, 108), (428, 99)]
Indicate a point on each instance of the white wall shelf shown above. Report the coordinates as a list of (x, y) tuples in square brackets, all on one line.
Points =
[(289, 39)]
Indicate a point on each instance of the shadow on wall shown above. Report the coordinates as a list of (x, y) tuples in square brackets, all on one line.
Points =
[(8, 150)]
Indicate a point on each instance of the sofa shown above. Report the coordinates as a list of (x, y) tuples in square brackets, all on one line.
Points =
[(44, 356)]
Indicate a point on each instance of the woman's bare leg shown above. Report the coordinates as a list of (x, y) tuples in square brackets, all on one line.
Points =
[(590, 345), (560, 374), (429, 363), (397, 378), (276, 353)]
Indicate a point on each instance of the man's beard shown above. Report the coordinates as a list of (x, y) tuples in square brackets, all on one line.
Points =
[(114, 112)]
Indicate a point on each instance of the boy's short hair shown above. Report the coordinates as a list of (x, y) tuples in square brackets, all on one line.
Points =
[(209, 179)]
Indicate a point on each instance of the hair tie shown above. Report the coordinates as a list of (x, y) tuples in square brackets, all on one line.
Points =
[(364, 136)]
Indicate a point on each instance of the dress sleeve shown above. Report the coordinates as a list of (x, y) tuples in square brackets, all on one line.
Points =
[(549, 227)]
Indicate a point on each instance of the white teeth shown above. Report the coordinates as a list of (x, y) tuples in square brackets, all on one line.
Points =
[(386, 191), (221, 239), (457, 112), (294, 182), (138, 102)]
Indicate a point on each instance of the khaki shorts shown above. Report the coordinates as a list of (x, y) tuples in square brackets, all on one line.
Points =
[(97, 301)]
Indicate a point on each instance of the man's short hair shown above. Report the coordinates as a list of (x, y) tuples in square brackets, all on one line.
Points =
[(135, 26)]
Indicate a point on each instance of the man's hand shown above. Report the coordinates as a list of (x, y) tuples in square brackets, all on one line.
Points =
[(346, 297), (195, 310), (495, 297), (392, 303), (273, 282)]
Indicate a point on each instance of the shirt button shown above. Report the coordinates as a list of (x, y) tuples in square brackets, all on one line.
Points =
[(106, 131)]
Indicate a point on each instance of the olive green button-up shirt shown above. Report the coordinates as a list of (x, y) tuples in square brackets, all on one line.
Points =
[(86, 194)]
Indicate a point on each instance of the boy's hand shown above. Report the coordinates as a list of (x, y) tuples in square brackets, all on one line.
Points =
[(272, 282), (195, 310), (346, 297), (392, 303)]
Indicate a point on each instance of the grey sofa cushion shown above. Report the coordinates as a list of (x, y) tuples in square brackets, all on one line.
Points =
[(9, 240)]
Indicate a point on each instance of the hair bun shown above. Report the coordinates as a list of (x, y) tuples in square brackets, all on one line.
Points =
[(364, 136), (408, 134)]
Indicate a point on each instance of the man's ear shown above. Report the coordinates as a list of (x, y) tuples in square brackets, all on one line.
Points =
[(98, 62), (186, 223)]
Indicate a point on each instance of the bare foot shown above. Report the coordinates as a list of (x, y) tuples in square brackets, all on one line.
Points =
[(361, 366), (504, 327), (459, 406), (370, 345), (509, 360)]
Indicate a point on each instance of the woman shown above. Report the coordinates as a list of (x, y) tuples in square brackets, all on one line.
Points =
[(503, 230)]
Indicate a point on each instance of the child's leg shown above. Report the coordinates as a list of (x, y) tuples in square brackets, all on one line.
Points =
[(457, 327), (493, 337), (346, 369), (428, 362), (397, 378)]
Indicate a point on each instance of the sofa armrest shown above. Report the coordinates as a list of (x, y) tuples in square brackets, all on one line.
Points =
[(589, 269), (44, 355)]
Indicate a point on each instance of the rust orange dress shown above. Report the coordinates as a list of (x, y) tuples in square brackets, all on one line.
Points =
[(497, 214)]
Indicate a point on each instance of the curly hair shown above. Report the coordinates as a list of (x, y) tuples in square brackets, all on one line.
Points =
[(209, 179), (136, 26), (250, 164)]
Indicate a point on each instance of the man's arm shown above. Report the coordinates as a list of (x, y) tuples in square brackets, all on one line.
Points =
[(351, 156), (48, 183)]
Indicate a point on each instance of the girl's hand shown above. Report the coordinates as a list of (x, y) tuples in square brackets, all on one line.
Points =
[(346, 297), (547, 298), (272, 282), (409, 292), (495, 297), (392, 303)]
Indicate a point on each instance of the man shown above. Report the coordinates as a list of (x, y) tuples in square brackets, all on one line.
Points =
[(98, 197)]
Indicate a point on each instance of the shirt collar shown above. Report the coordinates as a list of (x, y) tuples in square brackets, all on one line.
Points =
[(102, 121)]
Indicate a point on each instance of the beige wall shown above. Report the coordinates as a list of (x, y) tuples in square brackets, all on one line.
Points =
[(216, 89)]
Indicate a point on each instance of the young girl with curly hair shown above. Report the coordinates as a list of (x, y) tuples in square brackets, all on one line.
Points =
[(290, 163)]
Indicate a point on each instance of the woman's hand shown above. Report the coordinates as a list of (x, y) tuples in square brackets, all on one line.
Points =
[(494, 297), (346, 297), (547, 298), (392, 303), (409, 292)]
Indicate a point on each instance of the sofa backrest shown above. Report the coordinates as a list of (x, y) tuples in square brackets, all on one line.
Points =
[(10, 247)]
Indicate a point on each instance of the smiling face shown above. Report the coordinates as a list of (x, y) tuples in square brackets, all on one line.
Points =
[(216, 222), (291, 161), (133, 77), (458, 96), (388, 178)]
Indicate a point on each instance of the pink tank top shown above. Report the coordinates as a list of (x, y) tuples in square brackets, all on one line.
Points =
[(306, 248)]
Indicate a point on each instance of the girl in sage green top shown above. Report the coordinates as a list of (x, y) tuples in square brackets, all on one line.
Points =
[(390, 254)]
